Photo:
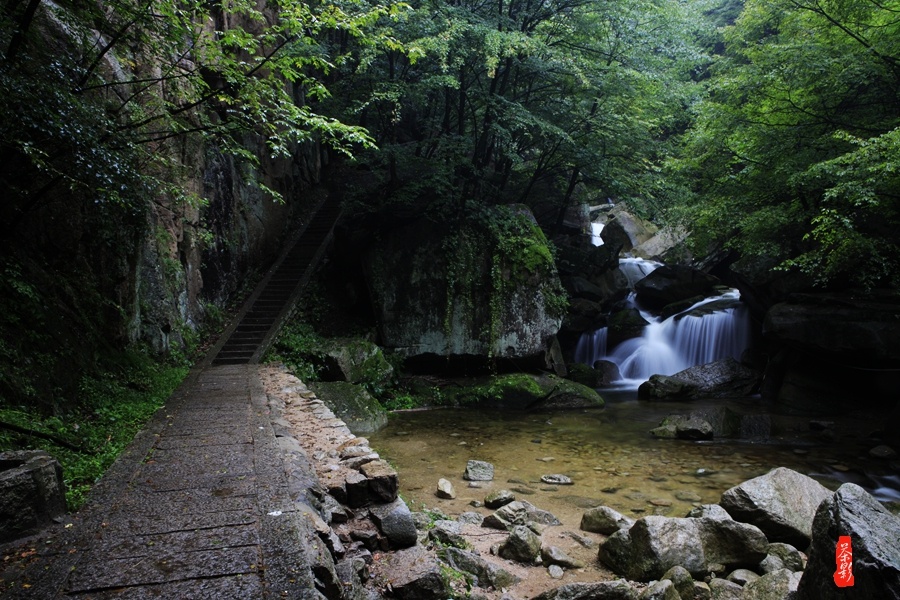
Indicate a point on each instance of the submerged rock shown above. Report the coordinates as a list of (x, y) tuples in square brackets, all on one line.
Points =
[(683, 428), (523, 391), (479, 470), (557, 479), (519, 512)]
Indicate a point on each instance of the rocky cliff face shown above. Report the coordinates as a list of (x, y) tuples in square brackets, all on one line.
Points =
[(118, 227), (194, 258), (470, 291)]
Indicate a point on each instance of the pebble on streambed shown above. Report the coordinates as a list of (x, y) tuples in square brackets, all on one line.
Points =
[(557, 479)]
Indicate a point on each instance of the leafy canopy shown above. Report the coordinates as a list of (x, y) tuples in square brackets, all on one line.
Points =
[(795, 153)]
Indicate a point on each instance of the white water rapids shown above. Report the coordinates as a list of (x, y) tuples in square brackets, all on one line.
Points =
[(671, 345)]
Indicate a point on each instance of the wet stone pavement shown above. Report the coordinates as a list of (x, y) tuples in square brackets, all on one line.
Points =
[(200, 506)]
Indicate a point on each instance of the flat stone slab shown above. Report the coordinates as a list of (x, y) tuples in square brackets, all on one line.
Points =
[(229, 586), (214, 538), (97, 571)]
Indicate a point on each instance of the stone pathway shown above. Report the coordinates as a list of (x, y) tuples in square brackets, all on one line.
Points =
[(199, 507), (204, 503)]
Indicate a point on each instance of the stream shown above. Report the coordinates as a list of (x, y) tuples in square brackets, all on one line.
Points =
[(613, 460)]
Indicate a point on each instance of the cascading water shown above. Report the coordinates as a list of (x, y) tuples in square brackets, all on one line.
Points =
[(712, 329), (591, 346), (596, 229), (684, 340), (636, 269)]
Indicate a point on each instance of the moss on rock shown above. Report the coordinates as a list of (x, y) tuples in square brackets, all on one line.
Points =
[(523, 391), (358, 361), (353, 404)]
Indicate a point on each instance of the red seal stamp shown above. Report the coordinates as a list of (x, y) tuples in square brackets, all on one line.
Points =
[(843, 559)]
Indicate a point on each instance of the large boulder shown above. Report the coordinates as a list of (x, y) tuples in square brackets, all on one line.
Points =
[(626, 230), (583, 315), (587, 261), (466, 290), (874, 544), (655, 544), (355, 360), (782, 503), (353, 404), (673, 283), (719, 379), (666, 246), (625, 325), (486, 574), (395, 522), (863, 329), (32, 492), (666, 387), (577, 219)]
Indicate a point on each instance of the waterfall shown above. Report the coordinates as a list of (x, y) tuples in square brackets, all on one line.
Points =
[(591, 346), (714, 328), (685, 340), (636, 269), (596, 228)]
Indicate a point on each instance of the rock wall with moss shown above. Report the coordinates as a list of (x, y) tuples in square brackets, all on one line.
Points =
[(484, 286)]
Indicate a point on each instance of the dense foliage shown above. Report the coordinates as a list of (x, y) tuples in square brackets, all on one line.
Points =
[(522, 101), (795, 154)]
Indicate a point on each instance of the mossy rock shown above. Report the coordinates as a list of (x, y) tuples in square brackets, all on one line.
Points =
[(522, 391), (356, 360), (585, 375), (353, 404)]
